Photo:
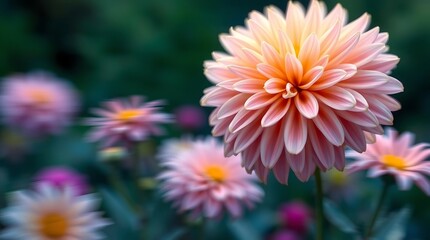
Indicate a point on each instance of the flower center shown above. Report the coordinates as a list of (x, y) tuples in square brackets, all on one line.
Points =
[(128, 115), (394, 161), (216, 173), (53, 225), (40, 96)]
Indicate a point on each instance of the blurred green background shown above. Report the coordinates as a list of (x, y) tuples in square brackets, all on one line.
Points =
[(156, 48)]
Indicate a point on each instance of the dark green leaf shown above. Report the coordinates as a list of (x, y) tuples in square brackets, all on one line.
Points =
[(337, 218)]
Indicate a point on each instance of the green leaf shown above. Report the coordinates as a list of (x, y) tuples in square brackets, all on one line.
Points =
[(176, 234), (394, 227), (337, 218), (243, 230)]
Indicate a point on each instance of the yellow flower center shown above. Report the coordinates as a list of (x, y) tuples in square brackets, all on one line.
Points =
[(53, 225), (394, 161), (216, 173), (128, 115), (40, 96)]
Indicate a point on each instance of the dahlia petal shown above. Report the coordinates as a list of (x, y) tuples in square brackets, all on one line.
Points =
[(294, 20), (382, 63), (388, 101), (211, 208), (339, 158), (295, 132), (276, 18), (259, 100), (350, 69), (243, 118), (246, 137), (403, 181), (328, 79), (361, 104), (271, 56), (365, 79), (423, 184), (232, 106), (330, 37), (322, 149), (231, 44), (258, 31), (382, 113), (376, 172), (418, 157), (285, 44), (275, 112), (252, 56), (234, 208), (354, 136), (249, 85), (358, 25), (271, 139), (342, 50), (296, 161), (369, 37), (311, 77), (219, 193), (281, 170), (329, 125), (228, 84), (216, 97), (363, 55), (274, 85), (310, 52), (245, 72), (261, 171), (251, 155), (307, 104), (365, 118), (294, 69), (392, 86), (269, 71), (336, 98), (219, 74), (312, 20)]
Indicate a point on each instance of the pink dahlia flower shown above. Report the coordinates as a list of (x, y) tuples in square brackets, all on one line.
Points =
[(61, 178), (294, 89), (127, 121), (37, 103), (190, 117), (395, 155), (296, 216), (204, 182)]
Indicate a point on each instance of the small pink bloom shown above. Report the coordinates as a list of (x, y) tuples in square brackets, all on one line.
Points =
[(395, 155), (202, 181), (37, 103), (190, 117), (296, 216), (127, 120), (61, 177), (285, 235), (294, 89)]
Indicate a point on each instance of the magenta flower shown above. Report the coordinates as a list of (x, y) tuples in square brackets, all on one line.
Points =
[(61, 177), (296, 216), (127, 120), (285, 234), (395, 155), (190, 117), (37, 103), (202, 181), (294, 89)]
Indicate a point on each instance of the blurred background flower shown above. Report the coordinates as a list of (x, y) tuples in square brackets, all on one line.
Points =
[(37, 103), (62, 177)]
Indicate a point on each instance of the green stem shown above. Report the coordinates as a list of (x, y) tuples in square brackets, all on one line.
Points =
[(120, 188), (319, 206), (378, 209)]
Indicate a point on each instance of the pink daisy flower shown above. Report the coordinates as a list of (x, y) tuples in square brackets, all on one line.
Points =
[(294, 89), (204, 182), (395, 155), (37, 103), (127, 120), (61, 177)]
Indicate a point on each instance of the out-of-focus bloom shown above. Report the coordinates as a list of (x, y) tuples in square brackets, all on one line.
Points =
[(51, 214), (285, 234), (294, 89), (112, 154), (61, 178), (190, 117), (37, 103), (204, 182), (296, 216), (395, 155), (170, 148), (127, 120), (341, 185)]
